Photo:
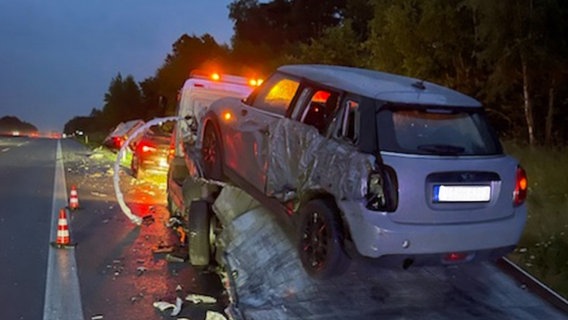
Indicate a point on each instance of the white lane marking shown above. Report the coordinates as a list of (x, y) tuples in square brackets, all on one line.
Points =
[(5, 149), (62, 293)]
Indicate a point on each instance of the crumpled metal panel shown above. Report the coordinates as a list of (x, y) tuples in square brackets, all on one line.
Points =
[(300, 160)]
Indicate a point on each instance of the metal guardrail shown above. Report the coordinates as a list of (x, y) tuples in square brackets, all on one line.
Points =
[(533, 284)]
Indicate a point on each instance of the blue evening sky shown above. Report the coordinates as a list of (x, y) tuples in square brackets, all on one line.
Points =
[(57, 57)]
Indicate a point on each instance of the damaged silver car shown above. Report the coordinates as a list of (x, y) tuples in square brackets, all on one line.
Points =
[(371, 164)]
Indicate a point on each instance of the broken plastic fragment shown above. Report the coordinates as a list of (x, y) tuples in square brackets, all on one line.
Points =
[(163, 249), (163, 305), (177, 308), (140, 270), (213, 315), (173, 258), (98, 194), (198, 298), (148, 219), (174, 222)]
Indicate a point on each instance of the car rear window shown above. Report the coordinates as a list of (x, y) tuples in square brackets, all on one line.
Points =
[(435, 131)]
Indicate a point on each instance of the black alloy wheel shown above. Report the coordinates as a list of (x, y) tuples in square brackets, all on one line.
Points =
[(321, 240)]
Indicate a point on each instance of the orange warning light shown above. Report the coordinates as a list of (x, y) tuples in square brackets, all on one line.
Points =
[(255, 82)]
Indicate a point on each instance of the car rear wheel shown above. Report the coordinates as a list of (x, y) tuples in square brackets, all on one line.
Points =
[(211, 153), (134, 166), (137, 171), (200, 232), (321, 240)]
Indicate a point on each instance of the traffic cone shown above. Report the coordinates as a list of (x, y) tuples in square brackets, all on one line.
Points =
[(73, 198), (63, 239)]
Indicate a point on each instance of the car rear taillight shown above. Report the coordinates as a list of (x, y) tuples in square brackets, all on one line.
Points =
[(117, 142), (147, 148), (456, 257), (521, 187), (382, 190)]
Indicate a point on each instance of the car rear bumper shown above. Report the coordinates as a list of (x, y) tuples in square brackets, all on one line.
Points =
[(375, 235)]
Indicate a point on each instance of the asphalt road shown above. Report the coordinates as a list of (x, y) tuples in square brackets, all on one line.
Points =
[(114, 272), (119, 273), (26, 184)]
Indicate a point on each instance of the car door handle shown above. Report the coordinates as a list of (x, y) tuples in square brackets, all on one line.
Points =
[(244, 112)]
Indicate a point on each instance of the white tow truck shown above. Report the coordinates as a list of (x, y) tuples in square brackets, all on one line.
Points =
[(185, 187)]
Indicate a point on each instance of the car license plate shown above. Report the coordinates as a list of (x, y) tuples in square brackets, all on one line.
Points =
[(444, 193)]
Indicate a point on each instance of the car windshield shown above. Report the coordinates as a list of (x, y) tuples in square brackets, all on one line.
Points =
[(435, 131)]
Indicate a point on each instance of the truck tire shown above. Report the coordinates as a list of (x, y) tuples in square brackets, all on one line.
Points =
[(211, 153), (321, 243), (134, 166), (171, 205), (137, 170), (199, 233)]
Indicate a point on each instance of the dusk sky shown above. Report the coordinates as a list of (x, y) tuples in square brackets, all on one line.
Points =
[(57, 58)]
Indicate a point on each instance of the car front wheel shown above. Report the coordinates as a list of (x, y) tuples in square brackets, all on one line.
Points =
[(321, 240)]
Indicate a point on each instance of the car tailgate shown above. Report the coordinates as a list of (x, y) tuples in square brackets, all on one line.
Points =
[(442, 190)]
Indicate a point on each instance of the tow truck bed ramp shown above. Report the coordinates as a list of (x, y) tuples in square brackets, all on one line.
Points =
[(268, 281)]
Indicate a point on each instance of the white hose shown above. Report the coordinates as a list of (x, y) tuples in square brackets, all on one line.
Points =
[(119, 197)]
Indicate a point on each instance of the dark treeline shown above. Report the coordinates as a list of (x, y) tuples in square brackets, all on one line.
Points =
[(511, 55), (10, 124)]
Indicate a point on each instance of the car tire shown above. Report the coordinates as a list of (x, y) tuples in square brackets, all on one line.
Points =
[(321, 240), (171, 205), (211, 153), (199, 233), (134, 166)]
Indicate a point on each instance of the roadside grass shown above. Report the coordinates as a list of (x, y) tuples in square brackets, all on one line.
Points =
[(543, 248), (94, 142)]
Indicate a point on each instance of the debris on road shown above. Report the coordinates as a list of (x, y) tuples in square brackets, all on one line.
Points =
[(97, 317), (141, 270), (148, 219), (98, 194), (213, 315), (163, 306), (198, 298), (177, 307), (162, 249), (175, 258)]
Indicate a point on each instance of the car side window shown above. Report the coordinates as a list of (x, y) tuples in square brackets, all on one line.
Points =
[(276, 95), (320, 105), (349, 121)]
